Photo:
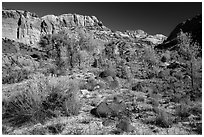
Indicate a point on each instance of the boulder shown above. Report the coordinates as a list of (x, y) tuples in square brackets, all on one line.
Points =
[(109, 107), (102, 110)]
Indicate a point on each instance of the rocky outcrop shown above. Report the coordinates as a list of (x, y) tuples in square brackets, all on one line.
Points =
[(143, 36), (155, 39), (136, 33), (26, 27)]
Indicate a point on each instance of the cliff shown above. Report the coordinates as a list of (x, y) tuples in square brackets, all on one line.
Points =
[(27, 27)]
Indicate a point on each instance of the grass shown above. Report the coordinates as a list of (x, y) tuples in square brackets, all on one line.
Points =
[(42, 99)]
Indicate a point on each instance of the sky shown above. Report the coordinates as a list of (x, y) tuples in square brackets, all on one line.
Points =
[(153, 18)]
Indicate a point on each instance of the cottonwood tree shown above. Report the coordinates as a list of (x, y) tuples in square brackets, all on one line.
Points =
[(54, 44), (189, 53)]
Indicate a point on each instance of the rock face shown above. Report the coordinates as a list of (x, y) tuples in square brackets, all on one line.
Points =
[(20, 26), (26, 27)]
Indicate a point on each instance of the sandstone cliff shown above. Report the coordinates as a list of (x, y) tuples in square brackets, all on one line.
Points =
[(26, 27)]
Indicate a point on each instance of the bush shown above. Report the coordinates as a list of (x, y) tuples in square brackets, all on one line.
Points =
[(40, 101), (68, 95), (23, 106), (182, 110), (137, 86), (15, 76), (163, 119)]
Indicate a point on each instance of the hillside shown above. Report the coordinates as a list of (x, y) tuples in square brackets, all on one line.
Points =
[(70, 74)]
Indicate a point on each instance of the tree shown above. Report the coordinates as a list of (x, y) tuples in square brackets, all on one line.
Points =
[(53, 45), (189, 54)]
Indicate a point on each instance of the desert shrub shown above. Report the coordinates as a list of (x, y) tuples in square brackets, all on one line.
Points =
[(196, 127), (154, 102), (123, 71), (137, 86), (196, 109), (40, 101), (56, 128), (37, 130), (195, 119), (115, 84), (91, 84), (163, 119), (24, 106), (60, 102), (15, 76), (182, 110)]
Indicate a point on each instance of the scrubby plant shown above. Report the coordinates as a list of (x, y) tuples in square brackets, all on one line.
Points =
[(91, 84), (15, 76), (125, 125), (24, 106), (196, 109), (182, 110), (137, 86), (40, 101), (163, 119), (65, 94)]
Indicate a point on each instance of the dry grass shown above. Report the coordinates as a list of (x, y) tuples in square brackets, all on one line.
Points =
[(41, 100)]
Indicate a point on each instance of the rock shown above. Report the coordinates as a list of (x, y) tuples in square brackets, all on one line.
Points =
[(26, 27), (109, 107), (156, 39), (107, 73), (136, 33), (102, 110), (84, 92), (107, 122)]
